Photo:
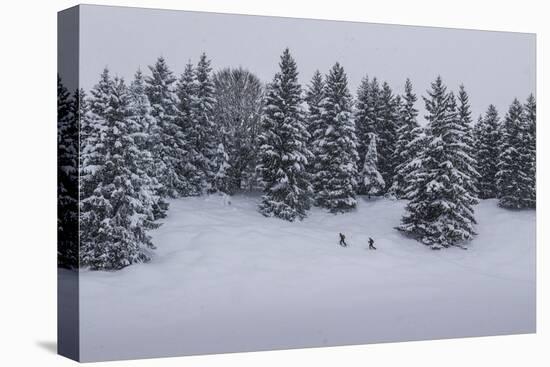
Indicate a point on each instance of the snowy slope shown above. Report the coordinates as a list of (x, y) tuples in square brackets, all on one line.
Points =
[(224, 278)]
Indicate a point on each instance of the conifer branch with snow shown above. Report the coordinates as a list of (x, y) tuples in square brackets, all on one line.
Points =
[(440, 211), (335, 179), (284, 155)]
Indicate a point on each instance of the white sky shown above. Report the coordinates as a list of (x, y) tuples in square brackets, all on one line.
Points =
[(495, 67)]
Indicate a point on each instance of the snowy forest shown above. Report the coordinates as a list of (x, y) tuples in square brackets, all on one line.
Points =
[(138, 145)]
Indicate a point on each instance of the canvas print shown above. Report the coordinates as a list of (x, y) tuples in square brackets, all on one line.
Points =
[(233, 183)]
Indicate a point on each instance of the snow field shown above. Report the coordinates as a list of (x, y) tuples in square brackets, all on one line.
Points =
[(224, 279)]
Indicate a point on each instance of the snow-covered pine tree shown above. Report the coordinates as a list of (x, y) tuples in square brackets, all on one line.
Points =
[(116, 215), (467, 164), (92, 150), (237, 112), (373, 118), (364, 125), (373, 182), (514, 166), (67, 176), (141, 111), (140, 160), (284, 154), (487, 144), (314, 99), (189, 167), (79, 104), (80, 109), (160, 91), (440, 212), (386, 132), (335, 181), (63, 102), (477, 133), (143, 139), (222, 179), (92, 158), (408, 144), (205, 134), (66, 134), (530, 118), (461, 153)]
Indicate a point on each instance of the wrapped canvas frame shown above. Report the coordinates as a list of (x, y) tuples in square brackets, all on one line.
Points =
[(345, 241), (68, 279)]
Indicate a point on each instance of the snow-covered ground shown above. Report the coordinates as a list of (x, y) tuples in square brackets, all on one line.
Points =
[(225, 279)]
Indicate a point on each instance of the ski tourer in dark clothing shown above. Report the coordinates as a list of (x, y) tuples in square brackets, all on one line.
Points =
[(371, 244), (343, 240)]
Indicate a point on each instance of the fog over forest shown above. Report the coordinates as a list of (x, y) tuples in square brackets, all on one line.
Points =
[(495, 67)]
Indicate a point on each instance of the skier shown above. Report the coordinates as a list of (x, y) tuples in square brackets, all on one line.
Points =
[(343, 240), (371, 244)]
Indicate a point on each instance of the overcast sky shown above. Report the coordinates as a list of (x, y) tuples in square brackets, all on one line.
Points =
[(495, 67)]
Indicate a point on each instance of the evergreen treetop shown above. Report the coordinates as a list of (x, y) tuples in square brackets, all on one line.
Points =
[(440, 212), (372, 179), (514, 166), (487, 144), (284, 154), (336, 150), (406, 146)]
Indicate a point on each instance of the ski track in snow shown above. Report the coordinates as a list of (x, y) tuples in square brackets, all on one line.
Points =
[(224, 278)]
